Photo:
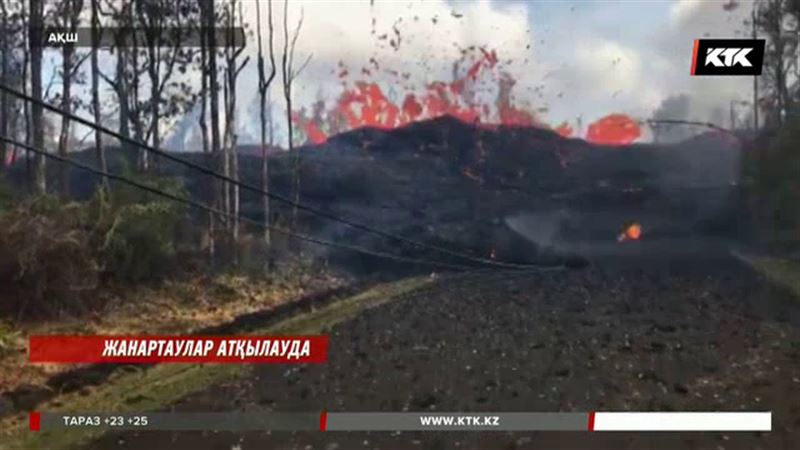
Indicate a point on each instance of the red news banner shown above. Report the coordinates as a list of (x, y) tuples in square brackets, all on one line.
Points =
[(178, 349)]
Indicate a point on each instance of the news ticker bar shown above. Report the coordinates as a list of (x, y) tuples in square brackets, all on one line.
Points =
[(407, 421)]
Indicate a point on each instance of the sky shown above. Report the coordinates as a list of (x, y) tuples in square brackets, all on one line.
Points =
[(573, 61), (629, 56)]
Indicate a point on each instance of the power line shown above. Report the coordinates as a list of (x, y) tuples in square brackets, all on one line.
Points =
[(710, 125), (213, 210), (250, 187)]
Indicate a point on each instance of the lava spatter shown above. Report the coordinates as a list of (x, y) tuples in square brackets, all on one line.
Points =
[(363, 103)]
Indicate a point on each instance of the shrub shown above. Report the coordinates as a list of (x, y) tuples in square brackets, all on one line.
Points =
[(138, 231), (8, 336), (52, 250), (140, 243), (47, 255), (7, 195), (774, 189)]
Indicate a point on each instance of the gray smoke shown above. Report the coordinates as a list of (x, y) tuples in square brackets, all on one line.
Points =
[(675, 107)]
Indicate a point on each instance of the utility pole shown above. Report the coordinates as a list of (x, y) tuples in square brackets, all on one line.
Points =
[(36, 11), (755, 77)]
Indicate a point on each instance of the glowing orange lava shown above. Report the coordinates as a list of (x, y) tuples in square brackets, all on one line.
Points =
[(632, 233), (363, 103), (564, 130), (614, 129)]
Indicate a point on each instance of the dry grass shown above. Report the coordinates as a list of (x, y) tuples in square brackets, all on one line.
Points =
[(165, 384), (173, 308), (779, 271)]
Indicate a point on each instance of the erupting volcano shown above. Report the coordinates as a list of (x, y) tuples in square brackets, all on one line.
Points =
[(363, 103)]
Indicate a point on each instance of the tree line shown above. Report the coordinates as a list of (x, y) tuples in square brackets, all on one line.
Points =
[(777, 90), (142, 82)]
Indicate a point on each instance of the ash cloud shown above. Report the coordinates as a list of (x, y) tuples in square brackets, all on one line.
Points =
[(675, 107)]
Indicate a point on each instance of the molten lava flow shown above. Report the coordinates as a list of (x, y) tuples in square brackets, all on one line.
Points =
[(311, 130), (614, 129), (411, 108), (564, 130), (632, 233)]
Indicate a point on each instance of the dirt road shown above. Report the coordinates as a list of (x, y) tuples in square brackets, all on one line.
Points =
[(697, 337)]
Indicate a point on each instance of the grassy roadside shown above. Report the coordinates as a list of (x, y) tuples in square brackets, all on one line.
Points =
[(172, 307), (162, 385), (779, 271)]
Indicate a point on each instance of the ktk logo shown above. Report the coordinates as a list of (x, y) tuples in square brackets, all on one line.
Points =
[(733, 56), (728, 56)]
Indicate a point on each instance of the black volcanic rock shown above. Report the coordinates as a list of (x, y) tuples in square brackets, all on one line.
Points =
[(454, 184)]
